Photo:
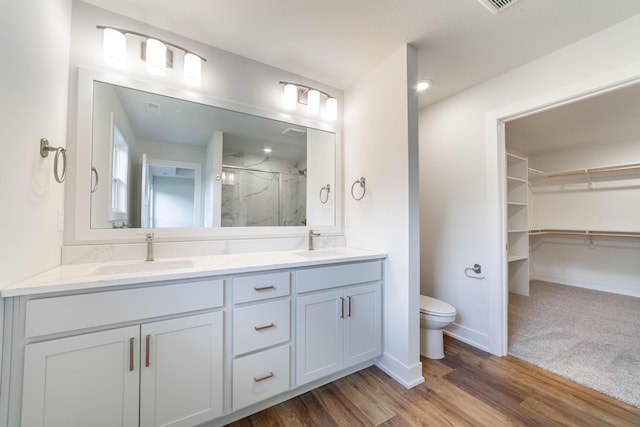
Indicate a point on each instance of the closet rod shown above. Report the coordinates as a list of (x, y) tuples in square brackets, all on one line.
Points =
[(585, 171), (583, 233)]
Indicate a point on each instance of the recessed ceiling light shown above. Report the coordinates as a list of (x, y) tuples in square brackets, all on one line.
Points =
[(267, 150), (424, 84)]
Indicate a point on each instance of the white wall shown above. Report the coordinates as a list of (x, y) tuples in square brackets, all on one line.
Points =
[(460, 203), (612, 203), (33, 105), (380, 144), (173, 202)]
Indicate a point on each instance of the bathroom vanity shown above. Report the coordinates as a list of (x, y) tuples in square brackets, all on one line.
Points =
[(195, 341)]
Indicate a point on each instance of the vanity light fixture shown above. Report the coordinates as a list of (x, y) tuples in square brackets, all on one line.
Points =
[(157, 53), (295, 94)]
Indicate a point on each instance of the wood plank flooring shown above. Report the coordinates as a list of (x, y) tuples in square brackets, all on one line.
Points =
[(467, 388)]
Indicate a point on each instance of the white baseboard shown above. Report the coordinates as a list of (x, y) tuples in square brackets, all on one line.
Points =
[(468, 336), (408, 376), (588, 284)]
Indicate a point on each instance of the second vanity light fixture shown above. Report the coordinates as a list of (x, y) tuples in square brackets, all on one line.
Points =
[(156, 53), (295, 94)]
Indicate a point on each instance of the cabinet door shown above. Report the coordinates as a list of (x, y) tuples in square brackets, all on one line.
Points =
[(319, 335), (85, 380), (181, 371), (362, 337)]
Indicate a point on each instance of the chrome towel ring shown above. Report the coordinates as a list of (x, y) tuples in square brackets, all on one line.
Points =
[(328, 190), (363, 185), (44, 152)]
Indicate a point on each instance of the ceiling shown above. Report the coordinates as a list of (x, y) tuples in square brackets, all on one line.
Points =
[(460, 43), (161, 118), (606, 118)]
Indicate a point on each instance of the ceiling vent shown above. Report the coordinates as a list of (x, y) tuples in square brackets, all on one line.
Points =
[(152, 107), (294, 133), (496, 6)]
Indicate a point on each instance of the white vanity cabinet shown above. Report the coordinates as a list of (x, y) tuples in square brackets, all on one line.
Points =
[(261, 337), (338, 318), (204, 347), (158, 373)]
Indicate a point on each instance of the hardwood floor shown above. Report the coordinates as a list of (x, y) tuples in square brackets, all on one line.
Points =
[(467, 388)]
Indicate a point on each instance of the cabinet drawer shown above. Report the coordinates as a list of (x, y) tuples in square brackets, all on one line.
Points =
[(260, 325), (260, 287), (260, 376), (314, 279), (72, 312)]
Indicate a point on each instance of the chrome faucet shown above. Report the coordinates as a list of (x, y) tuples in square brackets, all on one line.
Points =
[(312, 234), (149, 240)]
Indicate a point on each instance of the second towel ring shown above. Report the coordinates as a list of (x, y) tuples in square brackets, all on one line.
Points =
[(44, 152), (363, 184), (328, 189)]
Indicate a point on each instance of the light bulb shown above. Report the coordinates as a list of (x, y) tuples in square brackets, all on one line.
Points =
[(423, 85), (290, 97), (192, 69), (156, 57), (114, 47), (313, 102), (331, 109)]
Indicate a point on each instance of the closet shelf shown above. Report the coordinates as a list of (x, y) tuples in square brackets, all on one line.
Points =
[(589, 171), (587, 233), (513, 258)]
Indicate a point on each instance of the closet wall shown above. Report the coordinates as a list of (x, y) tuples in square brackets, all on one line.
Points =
[(587, 202)]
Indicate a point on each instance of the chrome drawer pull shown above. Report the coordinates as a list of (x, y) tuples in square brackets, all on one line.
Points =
[(262, 328), (265, 288), (260, 379)]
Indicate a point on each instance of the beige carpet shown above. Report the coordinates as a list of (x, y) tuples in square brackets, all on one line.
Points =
[(590, 337)]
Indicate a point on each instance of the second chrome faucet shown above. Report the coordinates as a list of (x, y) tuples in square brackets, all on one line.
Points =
[(312, 234), (149, 240)]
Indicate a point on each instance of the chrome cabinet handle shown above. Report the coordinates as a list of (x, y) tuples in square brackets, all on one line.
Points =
[(264, 288), (146, 357), (341, 308), (262, 328), (349, 315), (131, 344), (266, 377)]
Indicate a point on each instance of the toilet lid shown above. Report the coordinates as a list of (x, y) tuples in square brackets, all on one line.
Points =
[(435, 306)]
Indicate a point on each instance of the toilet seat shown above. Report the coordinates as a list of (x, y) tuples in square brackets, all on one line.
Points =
[(435, 307)]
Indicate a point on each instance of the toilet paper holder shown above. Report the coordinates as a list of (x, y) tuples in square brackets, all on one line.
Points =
[(476, 269)]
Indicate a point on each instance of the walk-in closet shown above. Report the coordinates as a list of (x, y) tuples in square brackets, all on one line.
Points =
[(573, 234)]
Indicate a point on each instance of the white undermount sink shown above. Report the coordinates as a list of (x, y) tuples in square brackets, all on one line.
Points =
[(142, 267)]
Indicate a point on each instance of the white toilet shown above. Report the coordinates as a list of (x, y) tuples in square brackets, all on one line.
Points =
[(435, 315)]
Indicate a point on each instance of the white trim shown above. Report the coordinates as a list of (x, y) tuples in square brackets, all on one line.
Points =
[(588, 284), (469, 336), (408, 376), (495, 149)]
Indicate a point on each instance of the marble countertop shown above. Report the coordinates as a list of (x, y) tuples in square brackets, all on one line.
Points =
[(77, 277)]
